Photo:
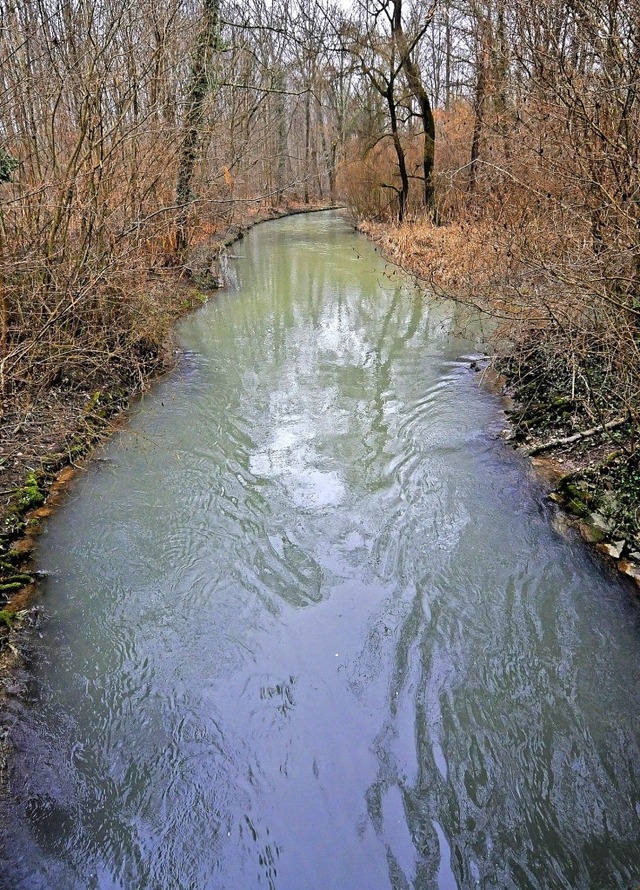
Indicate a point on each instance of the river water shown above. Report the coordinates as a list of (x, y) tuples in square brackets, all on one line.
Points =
[(308, 624)]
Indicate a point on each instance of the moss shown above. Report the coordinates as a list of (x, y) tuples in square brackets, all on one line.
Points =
[(576, 491), (25, 498), (18, 577), (30, 495), (52, 462), (591, 533), (78, 447), (575, 495), (11, 587), (7, 617), (93, 401), (578, 508)]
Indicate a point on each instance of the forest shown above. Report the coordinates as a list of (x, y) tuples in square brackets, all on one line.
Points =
[(491, 146)]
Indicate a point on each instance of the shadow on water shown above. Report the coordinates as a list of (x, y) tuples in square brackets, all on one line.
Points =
[(309, 627)]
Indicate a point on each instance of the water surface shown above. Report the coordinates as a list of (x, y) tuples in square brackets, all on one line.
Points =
[(309, 625)]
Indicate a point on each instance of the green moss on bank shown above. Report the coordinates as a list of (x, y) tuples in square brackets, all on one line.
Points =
[(7, 618), (31, 494)]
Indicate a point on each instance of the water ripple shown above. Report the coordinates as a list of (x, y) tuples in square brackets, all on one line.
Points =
[(312, 629)]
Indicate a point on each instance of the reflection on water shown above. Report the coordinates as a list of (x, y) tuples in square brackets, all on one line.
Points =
[(309, 626)]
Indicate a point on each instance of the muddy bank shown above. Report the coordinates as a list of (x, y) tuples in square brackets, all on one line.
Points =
[(593, 463)]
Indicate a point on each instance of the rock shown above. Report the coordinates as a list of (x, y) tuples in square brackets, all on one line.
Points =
[(578, 508), (591, 534), (613, 550), (631, 569), (597, 520)]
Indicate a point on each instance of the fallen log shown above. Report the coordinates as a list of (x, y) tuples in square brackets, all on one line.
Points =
[(576, 437)]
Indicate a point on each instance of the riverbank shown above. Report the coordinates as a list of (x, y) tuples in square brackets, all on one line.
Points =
[(48, 433), (569, 416)]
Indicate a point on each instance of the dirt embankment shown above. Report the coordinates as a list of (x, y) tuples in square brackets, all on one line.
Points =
[(594, 464), (575, 418)]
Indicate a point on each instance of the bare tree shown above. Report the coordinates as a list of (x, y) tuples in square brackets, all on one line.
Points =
[(199, 86), (410, 67)]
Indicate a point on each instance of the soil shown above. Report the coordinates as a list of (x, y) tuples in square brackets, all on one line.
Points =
[(596, 481)]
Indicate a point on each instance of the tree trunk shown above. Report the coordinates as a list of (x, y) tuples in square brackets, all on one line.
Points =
[(199, 87), (403, 191), (281, 134), (426, 113), (481, 84), (307, 145), (447, 67)]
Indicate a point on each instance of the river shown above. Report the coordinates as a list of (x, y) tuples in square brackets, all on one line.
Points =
[(308, 624)]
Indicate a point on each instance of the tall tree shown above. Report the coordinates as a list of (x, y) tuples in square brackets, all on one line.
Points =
[(200, 84), (371, 43), (410, 67)]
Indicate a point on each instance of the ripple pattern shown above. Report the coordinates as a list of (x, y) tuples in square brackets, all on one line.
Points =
[(310, 626)]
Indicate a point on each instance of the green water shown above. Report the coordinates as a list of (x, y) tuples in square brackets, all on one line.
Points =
[(308, 623)]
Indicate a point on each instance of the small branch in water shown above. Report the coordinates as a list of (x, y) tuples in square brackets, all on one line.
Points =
[(568, 440)]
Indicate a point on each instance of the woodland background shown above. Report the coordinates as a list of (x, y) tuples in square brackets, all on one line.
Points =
[(492, 145)]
